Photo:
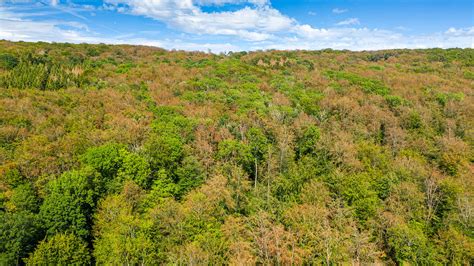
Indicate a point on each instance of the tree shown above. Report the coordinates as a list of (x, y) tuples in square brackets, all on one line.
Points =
[(236, 152), (306, 143), (116, 164), (189, 175), (273, 244), (358, 192), (19, 233), (134, 167), (455, 248), (106, 159), (69, 204), (258, 147), (23, 198), (164, 152), (120, 236), (408, 243), (61, 249)]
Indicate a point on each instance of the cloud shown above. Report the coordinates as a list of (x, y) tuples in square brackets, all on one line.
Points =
[(349, 21), (453, 32), (248, 28), (250, 23), (402, 28), (312, 13), (223, 2), (54, 2), (339, 10), (373, 39)]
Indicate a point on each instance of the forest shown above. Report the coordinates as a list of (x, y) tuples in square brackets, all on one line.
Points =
[(135, 155)]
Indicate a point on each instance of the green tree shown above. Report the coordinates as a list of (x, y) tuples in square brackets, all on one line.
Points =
[(358, 192), (120, 236), (190, 175), (237, 152), (106, 159), (61, 249), (164, 152), (258, 144), (19, 233), (23, 198), (134, 167), (408, 243), (69, 204), (455, 248), (306, 143)]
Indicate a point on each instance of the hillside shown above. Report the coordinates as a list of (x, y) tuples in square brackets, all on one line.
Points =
[(137, 155)]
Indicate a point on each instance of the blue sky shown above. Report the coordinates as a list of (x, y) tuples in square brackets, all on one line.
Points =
[(224, 25)]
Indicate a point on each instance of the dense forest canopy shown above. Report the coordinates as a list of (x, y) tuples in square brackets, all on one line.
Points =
[(137, 155)]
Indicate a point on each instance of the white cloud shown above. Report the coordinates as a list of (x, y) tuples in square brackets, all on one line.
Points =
[(54, 2), (373, 39), (349, 21), (460, 32), (250, 23), (402, 28), (312, 13), (339, 10), (223, 2), (250, 28)]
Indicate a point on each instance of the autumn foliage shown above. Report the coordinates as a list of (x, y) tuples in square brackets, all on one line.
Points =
[(140, 156)]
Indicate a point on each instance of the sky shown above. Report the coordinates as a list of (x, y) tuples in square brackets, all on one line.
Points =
[(236, 25)]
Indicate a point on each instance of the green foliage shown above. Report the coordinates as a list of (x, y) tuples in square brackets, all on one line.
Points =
[(469, 75), (189, 63), (358, 192), (408, 243), (237, 152), (258, 143), (164, 152), (456, 248), (464, 57), (376, 67), (134, 167), (69, 204), (444, 98), (24, 198), (207, 84), (189, 175), (307, 142), (414, 121), (288, 186), (169, 121), (366, 84), (163, 187), (395, 101), (105, 159), (28, 74), (13, 177), (124, 68), (116, 164), (8, 61), (375, 57), (449, 193), (120, 237), (303, 98), (19, 233), (61, 249)]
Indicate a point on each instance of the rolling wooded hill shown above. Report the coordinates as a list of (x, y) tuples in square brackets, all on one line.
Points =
[(140, 156)]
